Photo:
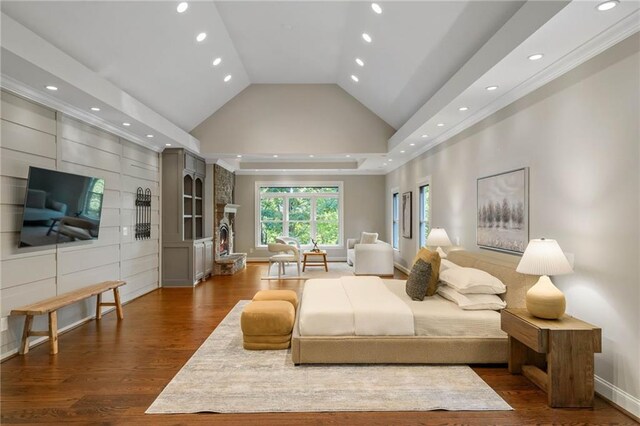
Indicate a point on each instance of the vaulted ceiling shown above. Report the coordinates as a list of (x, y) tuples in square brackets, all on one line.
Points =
[(141, 63)]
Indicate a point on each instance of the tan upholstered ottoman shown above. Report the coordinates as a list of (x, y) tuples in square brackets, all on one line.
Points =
[(286, 295), (267, 324)]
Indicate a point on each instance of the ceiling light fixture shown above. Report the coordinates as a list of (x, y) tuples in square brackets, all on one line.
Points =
[(359, 62), (217, 61), (354, 78), (348, 155), (412, 144), (182, 7), (491, 88), (607, 5), (384, 164), (149, 136), (238, 156), (402, 152), (536, 56), (52, 88), (167, 144), (463, 108), (425, 136), (200, 37), (96, 109), (275, 155), (227, 78), (440, 124), (366, 37), (311, 155), (125, 124), (376, 8), (390, 159)]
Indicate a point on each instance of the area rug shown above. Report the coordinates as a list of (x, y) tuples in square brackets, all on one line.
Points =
[(336, 270), (222, 377)]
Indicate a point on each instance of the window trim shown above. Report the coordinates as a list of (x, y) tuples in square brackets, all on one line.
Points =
[(313, 196), (422, 182), (392, 192)]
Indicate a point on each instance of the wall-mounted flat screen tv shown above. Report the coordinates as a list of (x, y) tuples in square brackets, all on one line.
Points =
[(60, 208)]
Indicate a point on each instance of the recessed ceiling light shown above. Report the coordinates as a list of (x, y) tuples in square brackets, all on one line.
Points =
[(384, 164), (348, 155), (227, 78), (354, 78), (95, 109), (490, 88), (167, 144), (390, 159), (149, 136), (239, 156), (217, 61), (536, 57), (366, 37), (182, 7), (463, 108), (359, 62), (200, 37), (607, 5), (52, 88), (425, 136), (440, 124), (311, 155), (125, 124), (412, 144), (376, 8), (402, 152), (275, 155)]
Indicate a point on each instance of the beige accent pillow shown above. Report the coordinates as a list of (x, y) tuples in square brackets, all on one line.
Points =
[(433, 258), (368, 238), (472, 302), (471, 280)]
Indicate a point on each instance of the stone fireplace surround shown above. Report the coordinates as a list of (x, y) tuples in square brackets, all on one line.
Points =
[(225, 262)]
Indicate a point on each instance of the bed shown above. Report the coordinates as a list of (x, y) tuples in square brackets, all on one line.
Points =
[(441, 332)]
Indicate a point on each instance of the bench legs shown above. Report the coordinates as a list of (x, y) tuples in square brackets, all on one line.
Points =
[(116, 303), (53, 332), (24, 346)]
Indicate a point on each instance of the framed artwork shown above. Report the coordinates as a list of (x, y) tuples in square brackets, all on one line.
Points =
[(407, 216), (503, 211)]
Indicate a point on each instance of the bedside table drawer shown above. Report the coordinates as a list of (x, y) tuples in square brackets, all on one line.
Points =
[(524, 331)]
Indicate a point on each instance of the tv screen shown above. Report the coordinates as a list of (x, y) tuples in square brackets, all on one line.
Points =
[(60, 208)]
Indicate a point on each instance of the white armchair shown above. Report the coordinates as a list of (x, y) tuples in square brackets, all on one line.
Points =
[(370, 259)]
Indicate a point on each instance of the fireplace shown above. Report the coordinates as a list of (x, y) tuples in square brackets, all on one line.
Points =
[(223, 250)]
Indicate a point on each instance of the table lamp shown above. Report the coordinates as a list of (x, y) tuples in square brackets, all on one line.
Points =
[(544, 257), (438, 237)]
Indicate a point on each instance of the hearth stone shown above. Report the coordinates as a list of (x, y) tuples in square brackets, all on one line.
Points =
[(229, 265)]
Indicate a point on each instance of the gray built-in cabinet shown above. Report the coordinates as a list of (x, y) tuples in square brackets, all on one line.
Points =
[(187, 250)]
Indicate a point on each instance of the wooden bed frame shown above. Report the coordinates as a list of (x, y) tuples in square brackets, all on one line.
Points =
[(422, 349)]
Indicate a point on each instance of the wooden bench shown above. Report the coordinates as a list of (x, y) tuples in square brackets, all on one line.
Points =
[(51, 305)]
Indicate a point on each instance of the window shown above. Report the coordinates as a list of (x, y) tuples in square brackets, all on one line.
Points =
[(302, 212), (93, 200), (396, 221), (424, 214)]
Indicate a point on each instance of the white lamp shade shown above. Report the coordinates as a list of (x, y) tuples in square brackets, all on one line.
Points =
[(438, 237), (544, 257)]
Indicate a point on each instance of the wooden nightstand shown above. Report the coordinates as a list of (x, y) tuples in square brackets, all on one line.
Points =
[(563, 347)]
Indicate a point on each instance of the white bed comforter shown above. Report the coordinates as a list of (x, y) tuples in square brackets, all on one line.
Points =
[(347, 306)]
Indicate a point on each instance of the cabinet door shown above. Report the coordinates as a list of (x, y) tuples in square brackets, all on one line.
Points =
[(208, 257), (201, 167), (189, 162), (199, 260)]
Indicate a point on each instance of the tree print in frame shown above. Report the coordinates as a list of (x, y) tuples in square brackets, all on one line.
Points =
[(503, 211)]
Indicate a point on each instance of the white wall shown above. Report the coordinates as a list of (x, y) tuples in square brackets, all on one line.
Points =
[(363, 208), (36, 136), (294, 119), (580, 137)]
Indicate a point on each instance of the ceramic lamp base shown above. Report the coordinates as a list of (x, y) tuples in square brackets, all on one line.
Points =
[(544, 300)]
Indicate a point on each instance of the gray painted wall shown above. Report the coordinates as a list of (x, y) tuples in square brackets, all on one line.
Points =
[(580, 136), (363, 208), (36, 136)]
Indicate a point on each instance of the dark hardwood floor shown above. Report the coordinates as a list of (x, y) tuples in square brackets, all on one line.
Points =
[(109, 372)]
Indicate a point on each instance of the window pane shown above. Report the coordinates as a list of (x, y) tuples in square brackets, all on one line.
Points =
[(396, 206), (396, 235), (269, 232), (274, 189), (301, 231), (327, 233), (299, 208), (327, 209), (271, 208), (299, 189)]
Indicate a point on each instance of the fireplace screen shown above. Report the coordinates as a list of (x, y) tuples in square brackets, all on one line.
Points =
[(224, 240)]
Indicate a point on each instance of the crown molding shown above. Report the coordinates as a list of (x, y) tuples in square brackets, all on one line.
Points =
[(327, 172), (18, 88), (598, 44)]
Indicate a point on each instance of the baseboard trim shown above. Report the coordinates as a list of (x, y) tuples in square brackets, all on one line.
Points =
[(266, 259), (624, 401), (402, 268)]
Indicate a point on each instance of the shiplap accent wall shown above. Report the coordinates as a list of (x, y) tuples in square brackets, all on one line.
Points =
[(33, 135)]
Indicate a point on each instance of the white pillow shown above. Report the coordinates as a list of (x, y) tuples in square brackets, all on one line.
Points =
[(472, 302), (471, 280), (447, 264), (368, 238)]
